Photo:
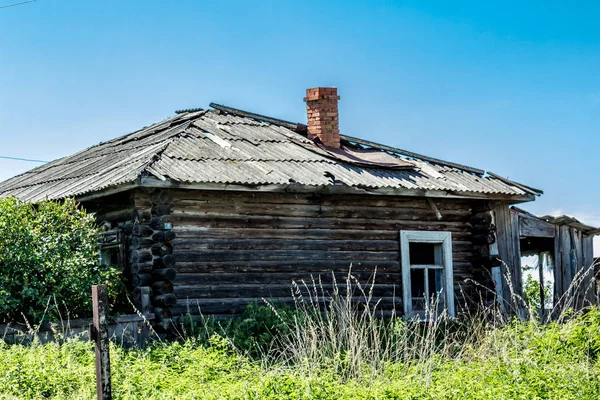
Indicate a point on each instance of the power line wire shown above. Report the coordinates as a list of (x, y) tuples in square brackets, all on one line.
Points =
[(23, 159), (17, 4)]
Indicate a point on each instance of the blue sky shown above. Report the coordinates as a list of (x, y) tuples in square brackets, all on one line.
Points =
[(510, 87)]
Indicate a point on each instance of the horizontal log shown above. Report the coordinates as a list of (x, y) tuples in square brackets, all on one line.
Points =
[(235, 306), (161, 249), (283, 278), (254, 255), (142, 230), (141, 280), (235, 221), (140, 256), (142, 216), (142, 200), (299, 291), (201, 232), (165, 300), (141, 267), (273, 244), (126, 226), (167, 274), (161, 197), (115, 215), (312, 211), (163, 236), (162, 223), (162, 287), (167, 261), (310, 266), (299, 244), (296, 255), (161, 210), (193, 196), (138, 242)]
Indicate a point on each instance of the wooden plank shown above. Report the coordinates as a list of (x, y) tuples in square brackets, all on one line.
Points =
[(234, 306), (236, 221), (533, 227), (557, 259), (256, 255), (281, 290), (588, 264), (567, 275), (582, 279), (306, 266), (287, 244), (507, 233), (516, 256), (301, 244), (312, 210), (200, 232), (282, 277), (99, 333)]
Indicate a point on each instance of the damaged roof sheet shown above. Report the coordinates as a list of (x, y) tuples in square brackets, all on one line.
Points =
[(219, 147)]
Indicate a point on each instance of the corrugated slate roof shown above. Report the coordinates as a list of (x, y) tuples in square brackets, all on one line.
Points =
[(221, 147)]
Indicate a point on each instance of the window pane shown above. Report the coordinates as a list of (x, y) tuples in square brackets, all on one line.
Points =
[(418, 306), (417, 282), (436, 284), (425, 253), (422, 253)]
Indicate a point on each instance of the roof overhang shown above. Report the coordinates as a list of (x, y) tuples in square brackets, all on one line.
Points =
[(151, 182)]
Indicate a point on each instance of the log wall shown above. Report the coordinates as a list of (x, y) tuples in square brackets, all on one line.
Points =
[(234, 247)]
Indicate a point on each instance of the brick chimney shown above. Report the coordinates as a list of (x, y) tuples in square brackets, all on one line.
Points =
[(323, 121)]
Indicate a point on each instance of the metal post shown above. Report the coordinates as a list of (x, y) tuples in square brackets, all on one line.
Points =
[(99, 334)]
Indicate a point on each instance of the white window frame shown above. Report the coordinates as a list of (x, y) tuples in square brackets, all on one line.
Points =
[(445, 259)]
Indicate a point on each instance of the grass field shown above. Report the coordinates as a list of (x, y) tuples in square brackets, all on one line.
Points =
[(471, 359)]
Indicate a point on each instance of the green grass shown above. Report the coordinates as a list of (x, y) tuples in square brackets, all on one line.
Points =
[(521, 360)]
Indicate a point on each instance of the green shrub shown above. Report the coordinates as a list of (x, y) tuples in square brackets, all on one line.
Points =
[(253, 332), (48, 260)]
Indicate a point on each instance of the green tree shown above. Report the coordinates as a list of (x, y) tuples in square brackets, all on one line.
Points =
[(532, 290), (48, 260)]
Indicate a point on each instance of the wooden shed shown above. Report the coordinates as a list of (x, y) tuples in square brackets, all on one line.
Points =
[(211, 209)]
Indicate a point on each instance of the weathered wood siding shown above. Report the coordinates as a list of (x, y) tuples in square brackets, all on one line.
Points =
[(234, 247), (574, 269), (509, 250)]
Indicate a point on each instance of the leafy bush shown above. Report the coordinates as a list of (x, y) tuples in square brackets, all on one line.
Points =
[(48, 260), (253, 332)]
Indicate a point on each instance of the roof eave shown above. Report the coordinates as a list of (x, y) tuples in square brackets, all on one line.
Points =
[(151, 182)]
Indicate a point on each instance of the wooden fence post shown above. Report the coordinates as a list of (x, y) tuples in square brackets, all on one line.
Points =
[(99, 334)]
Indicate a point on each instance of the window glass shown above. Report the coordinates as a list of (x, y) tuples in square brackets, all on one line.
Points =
[(422, 253)]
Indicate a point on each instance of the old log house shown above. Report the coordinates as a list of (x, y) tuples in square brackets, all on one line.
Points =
[(211, 209)]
